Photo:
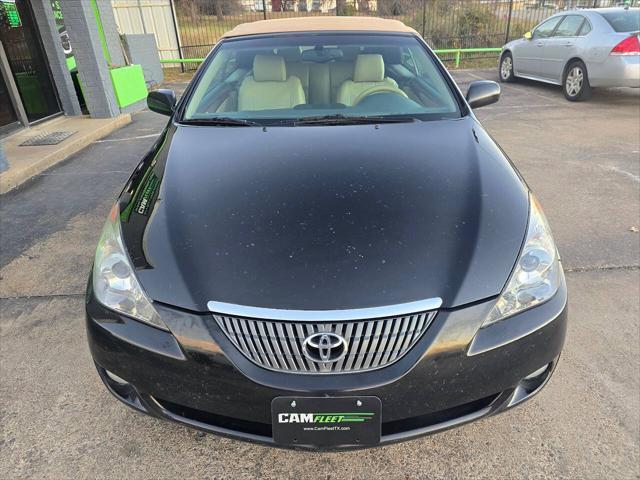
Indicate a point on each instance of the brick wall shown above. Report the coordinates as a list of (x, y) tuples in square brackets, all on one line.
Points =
[(92, 66)]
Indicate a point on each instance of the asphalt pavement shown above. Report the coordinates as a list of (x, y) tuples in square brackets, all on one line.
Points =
[(581, 159)]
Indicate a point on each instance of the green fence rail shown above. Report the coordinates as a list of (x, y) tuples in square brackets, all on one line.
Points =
[(457, 52), (181, 60)]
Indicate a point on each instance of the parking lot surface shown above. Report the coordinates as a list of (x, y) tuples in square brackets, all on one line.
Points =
[(582, 161)]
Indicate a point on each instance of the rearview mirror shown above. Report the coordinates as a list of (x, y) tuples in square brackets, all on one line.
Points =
[(161, 101), (321, 55), (528, 36), (482, 92)]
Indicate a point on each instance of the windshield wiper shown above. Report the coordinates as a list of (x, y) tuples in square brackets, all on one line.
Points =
[(339, 119), (222, 122)]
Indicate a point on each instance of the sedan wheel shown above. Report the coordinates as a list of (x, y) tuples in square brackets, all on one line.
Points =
[(576, 82), (506, 68)]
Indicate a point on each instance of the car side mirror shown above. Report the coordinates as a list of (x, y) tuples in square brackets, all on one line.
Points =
[(482, 92), (162, 101), (528, 36)]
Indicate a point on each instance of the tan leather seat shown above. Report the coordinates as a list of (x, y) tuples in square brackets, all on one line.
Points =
[(325, 78), (319, 84), (342, 70), (368, 73), (269, 87), (293, 62)]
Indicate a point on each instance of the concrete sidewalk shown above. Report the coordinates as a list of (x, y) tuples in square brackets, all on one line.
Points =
[(24, 162)]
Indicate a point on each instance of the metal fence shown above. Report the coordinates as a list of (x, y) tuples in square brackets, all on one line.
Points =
[(445, 24)]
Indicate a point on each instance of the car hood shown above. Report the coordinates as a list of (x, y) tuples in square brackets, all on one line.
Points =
[(327, 217)]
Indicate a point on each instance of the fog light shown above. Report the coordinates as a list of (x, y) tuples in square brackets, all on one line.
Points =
[(116, 378), (121, 389), (530, 384), (537, 373)]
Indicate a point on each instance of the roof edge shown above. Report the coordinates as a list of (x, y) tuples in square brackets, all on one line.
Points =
[(319, 24)]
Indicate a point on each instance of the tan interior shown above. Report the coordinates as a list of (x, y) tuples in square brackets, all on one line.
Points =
[(367, 74), (270, 87), (293, 63), (320, 81), (284, 80)]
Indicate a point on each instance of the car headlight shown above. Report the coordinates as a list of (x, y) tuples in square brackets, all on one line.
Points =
[(537, 275), (114, 282)]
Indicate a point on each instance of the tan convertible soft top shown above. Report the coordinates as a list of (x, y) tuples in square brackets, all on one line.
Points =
[(319, 24)]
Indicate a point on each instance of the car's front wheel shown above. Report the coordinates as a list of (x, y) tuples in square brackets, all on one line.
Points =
[(506, 68), (576, 82)]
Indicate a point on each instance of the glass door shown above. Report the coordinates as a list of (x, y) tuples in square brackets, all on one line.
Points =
[(23, 47), (7, 113)]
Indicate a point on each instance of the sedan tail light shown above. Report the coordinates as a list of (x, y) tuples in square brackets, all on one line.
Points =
[(628, 46)]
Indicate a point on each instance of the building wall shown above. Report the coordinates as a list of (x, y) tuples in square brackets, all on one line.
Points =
[(110, 28), (149, 16), (92, 66), (142, 50)]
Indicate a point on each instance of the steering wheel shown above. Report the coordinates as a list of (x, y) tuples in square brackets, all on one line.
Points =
[(378, 89)]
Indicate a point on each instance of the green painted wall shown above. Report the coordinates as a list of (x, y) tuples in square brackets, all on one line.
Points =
[(128, 84)]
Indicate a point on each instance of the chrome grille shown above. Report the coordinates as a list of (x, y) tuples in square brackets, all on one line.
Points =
[(370, 343)]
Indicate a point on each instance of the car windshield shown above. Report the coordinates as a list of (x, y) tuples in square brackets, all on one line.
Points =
[(623, 20), (323, 78)]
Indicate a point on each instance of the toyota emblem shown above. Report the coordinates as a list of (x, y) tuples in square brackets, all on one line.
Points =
[(324, 348)]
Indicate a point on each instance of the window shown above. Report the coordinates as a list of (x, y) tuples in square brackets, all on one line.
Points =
[(569, 26), (545, 29), (283, 79), (623, 20), (586, 28)]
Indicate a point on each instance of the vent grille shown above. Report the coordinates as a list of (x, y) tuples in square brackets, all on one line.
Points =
[(369, 344), (46, 138)]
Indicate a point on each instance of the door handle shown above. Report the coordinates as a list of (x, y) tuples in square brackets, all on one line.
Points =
[(568, 44), (539, 44)]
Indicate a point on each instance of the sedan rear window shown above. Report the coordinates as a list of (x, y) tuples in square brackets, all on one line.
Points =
[(293, 78), (623, 20)]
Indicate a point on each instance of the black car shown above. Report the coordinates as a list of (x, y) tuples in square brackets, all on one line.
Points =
[(325, 249)]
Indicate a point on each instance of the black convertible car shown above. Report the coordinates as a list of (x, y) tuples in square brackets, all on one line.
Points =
[(324, 248)]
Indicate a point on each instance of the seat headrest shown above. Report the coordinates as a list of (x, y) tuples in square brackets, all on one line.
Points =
[(244, 57), (369, 68), (269, 68), (290, 54)]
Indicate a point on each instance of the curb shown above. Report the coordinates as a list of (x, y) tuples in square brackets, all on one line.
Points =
[(10, 180)]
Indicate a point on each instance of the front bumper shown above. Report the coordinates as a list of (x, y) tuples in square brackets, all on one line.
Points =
[(456, 373)]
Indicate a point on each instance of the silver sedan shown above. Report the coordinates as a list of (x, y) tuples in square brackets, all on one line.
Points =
[(578, 49)]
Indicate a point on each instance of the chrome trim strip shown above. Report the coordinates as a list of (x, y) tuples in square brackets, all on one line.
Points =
[(400, 309)]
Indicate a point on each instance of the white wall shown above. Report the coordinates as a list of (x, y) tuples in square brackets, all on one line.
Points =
[(149, 16)]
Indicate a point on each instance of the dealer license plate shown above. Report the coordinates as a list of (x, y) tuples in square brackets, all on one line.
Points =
[(326, 421)]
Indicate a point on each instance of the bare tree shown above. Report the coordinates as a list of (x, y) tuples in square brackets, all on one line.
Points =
[(217, 6)]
